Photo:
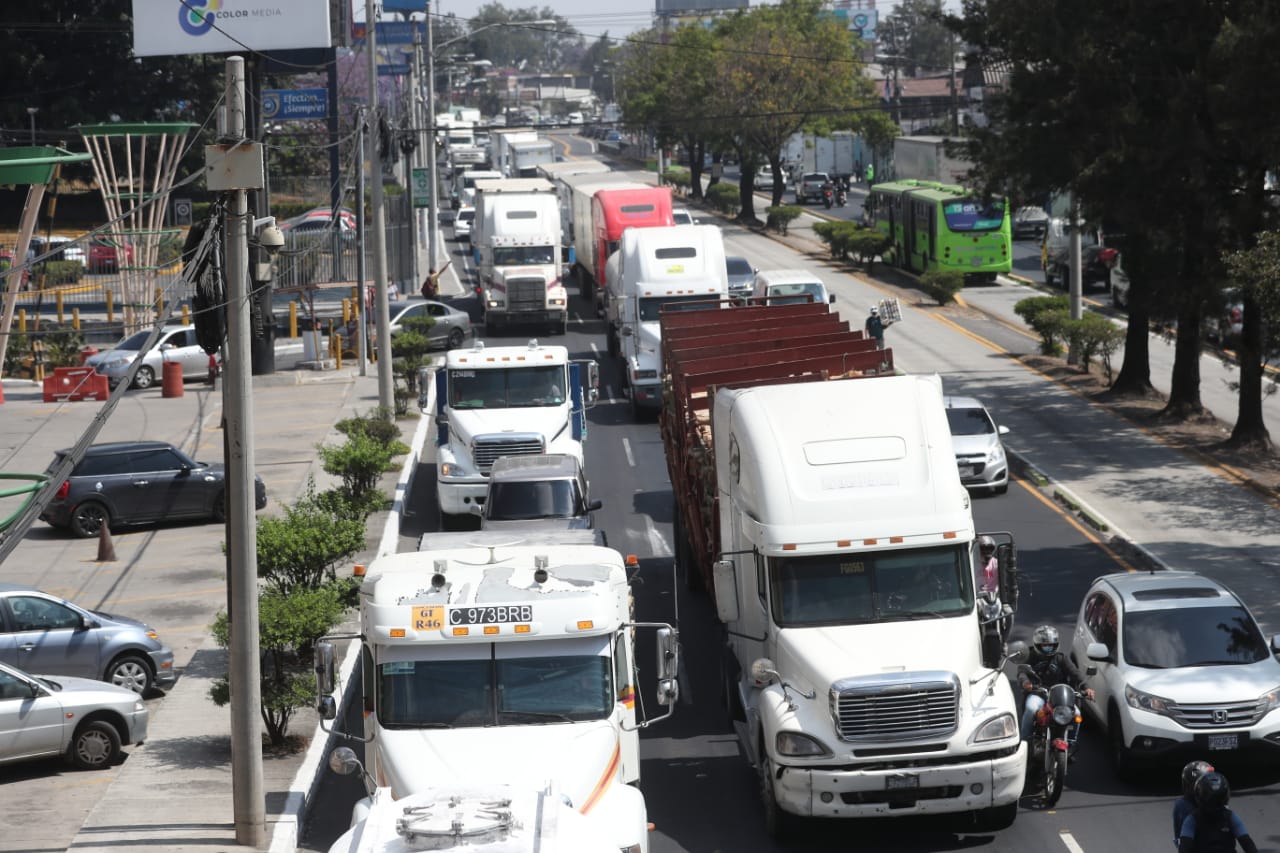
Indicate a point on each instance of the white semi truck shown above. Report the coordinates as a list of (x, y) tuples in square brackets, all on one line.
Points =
[(505, 401), (487, 662), (516, 242), (658, 268), (829, 520)]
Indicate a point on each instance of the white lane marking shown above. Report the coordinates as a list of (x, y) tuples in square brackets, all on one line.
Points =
[(1070, 842), (657, 542), (626, 448)]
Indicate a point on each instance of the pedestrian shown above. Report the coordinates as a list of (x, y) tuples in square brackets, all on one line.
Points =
[(875, 327), (431, 284), (871, 173)]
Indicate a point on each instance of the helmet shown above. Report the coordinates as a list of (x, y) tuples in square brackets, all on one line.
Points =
[(986, 545), (1045, 640), (875, 310), (1191, 774), (1212, 792)]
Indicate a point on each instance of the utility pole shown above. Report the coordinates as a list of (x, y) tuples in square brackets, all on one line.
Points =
[(1076, 280), (242, 559), (381, 307), (362, 273), (433, 195), (955, 95)]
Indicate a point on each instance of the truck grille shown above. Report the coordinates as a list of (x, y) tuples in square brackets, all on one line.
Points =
[(526, 294), (491, 448), (1218, 716), (909, 706)]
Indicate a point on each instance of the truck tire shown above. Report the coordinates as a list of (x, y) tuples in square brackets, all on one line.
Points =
[(491, 327), (778, 824), (614, 345)]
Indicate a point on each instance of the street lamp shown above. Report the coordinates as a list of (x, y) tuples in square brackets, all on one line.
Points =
[(433, 217), (31, 111)]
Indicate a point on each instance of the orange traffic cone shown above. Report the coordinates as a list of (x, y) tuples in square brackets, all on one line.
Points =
[(106, 550)]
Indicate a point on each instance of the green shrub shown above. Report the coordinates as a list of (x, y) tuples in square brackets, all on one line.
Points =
[(1093, 335), (942, 285), (678, 177), (378, 424), (54, 273), (725, 198), (1048, 317), (1028, 308), (303, 548), (360, 461), (780, 217), (62, 347), (866, 246)]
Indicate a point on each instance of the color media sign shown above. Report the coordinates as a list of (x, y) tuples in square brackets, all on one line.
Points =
[(171, 27)]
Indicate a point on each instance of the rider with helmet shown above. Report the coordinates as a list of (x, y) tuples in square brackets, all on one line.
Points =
[(1186, 804), (1044, 668), (988, 579), (1212, 827)]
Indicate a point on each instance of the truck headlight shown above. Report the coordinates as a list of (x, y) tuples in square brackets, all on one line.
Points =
[(557, 300), (1002, 727), (453, 469), (795, 744), (1147, 701)]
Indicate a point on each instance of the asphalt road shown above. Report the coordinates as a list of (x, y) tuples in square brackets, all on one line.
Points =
[(701, 793)]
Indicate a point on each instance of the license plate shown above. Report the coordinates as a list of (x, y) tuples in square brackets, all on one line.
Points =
[(976, 261), (966, 470), (491, 615), (1224, 741), (902, 782)]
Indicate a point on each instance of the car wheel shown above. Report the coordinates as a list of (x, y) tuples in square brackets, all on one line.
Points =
[(1121, 755), (131, 672), (778, 824), (145, 378), (88, 519), (456, 339), (96, 745), (219, 509)]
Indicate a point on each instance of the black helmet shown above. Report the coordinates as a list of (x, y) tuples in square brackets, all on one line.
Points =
[(1191, 773), (1045, 640), (1212, 792), (986, 545)]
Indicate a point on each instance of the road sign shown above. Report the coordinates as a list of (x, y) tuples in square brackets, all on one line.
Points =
[(294, 104), (183, 212), (395, 70), (392, 32), (421, 187)]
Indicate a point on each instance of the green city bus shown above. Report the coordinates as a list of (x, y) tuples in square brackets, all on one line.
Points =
[(934, 226)]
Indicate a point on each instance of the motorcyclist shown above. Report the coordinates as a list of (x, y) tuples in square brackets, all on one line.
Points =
[(1046, 667), (988, 567), (828, 191), (1212, 827), (1186, 804)]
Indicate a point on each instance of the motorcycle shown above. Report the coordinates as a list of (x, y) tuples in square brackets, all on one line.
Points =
[(841, 198), (1053, 737), (826, 198)]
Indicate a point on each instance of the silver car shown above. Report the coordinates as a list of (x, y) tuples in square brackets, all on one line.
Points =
[(43, 633), (86, 721), (742, 276), (176, 344), (980, 453), (450, 327)]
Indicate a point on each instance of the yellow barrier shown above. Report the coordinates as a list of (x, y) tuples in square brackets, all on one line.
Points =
[(293, 319), (111, 301), (75, 319), (22, 320), (57, 298), (160, 301), (186, 315)]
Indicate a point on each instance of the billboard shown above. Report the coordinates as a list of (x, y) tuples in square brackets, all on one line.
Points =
[(170, 27), (676, 7)]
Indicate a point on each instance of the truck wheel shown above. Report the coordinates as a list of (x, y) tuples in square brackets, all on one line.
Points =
[(448, 521), (778, 824)]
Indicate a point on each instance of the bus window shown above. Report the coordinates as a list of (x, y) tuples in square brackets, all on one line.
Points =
[(967, 214)]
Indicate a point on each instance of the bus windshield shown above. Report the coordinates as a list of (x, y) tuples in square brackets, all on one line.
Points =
[(484, 691), (968, 214), (877, 586), (505, 388)]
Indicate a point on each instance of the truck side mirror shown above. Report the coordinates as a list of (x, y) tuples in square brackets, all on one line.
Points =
[(668, 642), (322, 658), (726, 589)]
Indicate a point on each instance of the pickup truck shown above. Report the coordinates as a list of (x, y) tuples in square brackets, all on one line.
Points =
[(810, 186), (544, 492)]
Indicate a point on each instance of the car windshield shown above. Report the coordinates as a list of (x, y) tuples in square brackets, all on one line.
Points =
[(882, 586), (135, 341), (494, 689), (737, 266), (505, 388), (791, 294), (970, 422), (523, 501), (1192, 636)]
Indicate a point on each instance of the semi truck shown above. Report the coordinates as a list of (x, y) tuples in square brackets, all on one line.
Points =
[(500, 140), (925, 158), (601, 207), (505, 401), (818, 500), (658, 269), (488, 661), (516, 243), (528, 155)]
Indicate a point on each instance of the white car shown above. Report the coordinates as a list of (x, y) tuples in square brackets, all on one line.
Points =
[(1179, 669), (462, 223), (980, 453), (175, 344), (682, 216), (764, 178), (84, 720)]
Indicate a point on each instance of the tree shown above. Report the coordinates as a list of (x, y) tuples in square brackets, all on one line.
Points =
[(1256, 272), (547, 47), (917, 37)]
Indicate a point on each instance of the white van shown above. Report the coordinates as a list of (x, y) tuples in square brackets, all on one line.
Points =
[(783, 287)]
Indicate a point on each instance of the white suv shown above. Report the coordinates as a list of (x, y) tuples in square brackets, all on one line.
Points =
[(1179, 669)]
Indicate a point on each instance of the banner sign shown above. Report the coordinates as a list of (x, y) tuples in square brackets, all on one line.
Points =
[(421, 188), (392, 32), (404, 5), (294, 104), (172, 27)]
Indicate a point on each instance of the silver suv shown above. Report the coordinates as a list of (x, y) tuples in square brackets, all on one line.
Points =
[(44, 634)]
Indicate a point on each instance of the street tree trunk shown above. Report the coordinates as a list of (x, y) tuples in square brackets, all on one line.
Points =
[(1250, 430), (1134, 378), (1184, 389)]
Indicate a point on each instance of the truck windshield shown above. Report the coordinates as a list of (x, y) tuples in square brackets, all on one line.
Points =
[(508, 256), (970, 214), (485, 691), (653, 306), (878, 586), (506, 388)]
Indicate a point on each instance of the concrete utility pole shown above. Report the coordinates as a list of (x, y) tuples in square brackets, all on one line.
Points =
[(242, 558), (1077, 272), (433, 196), (381, 306), (362, 273)]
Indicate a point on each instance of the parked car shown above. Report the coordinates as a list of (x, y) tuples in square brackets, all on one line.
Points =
[(1029, 222), (176, 343), (543, 492), (85, 721), (41, 632), (138, 482), (975, 436), (462, 223), (742, 276), (450, 327), (1055, 257), (105, 254), (1179, 668)]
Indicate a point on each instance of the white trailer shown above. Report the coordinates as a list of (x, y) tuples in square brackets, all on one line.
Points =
[(527, 155), (925, 158), (500, 140)]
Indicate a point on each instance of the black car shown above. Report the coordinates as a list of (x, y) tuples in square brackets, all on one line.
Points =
[(138, 482)]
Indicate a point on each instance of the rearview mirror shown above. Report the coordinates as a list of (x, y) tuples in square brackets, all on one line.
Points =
[(322, 657)]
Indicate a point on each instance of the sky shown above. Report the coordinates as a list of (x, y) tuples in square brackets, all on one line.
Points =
[(590, 17)]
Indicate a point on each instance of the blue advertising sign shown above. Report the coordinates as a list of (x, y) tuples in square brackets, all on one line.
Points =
[(393, 32), (294, 104), (404, 5)]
